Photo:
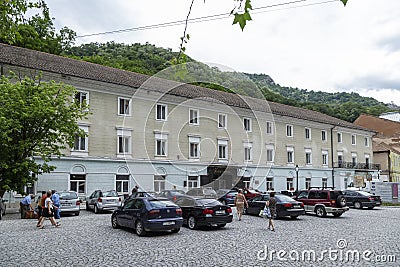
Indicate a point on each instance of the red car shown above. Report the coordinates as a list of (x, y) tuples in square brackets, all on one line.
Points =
[(248, 193)]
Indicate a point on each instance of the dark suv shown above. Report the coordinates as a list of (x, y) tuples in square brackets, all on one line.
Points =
[(323, 201)]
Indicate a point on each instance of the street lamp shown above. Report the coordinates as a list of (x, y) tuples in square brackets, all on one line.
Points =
[(297, 177)]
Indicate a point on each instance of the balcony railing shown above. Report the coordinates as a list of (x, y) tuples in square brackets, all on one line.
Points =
[(360, 166)]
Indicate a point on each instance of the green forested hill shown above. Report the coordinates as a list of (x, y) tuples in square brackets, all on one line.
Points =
[(151, 60)]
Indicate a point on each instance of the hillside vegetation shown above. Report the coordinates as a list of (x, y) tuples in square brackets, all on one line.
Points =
[(151, 60)]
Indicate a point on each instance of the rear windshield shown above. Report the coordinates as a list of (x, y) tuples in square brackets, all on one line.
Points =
[(284, 198), (156, 204), (68, 195), (207, 202), (110, 194), (365, 193)]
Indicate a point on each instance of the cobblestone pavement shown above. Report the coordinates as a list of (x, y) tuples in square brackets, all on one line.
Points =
[(89, 240)]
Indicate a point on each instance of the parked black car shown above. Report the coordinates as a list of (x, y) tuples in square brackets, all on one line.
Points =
[(2, 207), (360, 199), (285, 206), (172, 194), (146, 214), (198, 212)]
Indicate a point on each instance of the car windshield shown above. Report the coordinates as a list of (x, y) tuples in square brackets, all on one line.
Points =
[(156, 204), (207, 202), (68, 195), (177, 192), (110, 194), (284, 198), (208, 191)]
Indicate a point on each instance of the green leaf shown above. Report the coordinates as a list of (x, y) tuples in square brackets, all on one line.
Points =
[(242, 19), (344, 2)]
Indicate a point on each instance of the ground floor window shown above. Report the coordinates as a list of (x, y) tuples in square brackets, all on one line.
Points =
[(192, 182), (122, 183), (308, 183), (77, 182), (324, 182), (159, 183), (270, 183), (289, 184)]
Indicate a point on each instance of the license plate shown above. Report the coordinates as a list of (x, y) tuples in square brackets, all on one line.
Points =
[(220, 212), (168, 223), (296, 206), (65, 205)]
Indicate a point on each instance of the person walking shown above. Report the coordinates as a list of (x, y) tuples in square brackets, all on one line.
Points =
[(240, 201), (55, 197), (271, 204), (40, 204), (48, 212), (26, 205)]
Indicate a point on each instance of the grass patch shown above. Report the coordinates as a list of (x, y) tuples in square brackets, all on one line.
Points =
[(390, 204)]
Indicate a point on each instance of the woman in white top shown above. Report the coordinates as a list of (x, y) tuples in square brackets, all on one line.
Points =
[(48, 212)]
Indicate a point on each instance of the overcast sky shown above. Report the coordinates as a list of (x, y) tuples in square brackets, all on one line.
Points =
[(311, 44)]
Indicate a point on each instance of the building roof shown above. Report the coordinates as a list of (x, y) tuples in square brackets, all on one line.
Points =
[(36, 60), (384, 127)]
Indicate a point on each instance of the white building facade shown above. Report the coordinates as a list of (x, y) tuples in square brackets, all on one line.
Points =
[(158, 134)]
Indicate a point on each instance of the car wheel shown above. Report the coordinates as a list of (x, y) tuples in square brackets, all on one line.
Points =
[(357, 205), (320, 211), (96, 209), (293, 217), (87, 206), (140, 229), (341, 201), (221, 225), (77, 213), (176, 230), (114, 222), (337, 214), (192, 223), (1, 215)]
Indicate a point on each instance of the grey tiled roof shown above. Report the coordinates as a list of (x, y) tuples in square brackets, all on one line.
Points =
[(56, 64)]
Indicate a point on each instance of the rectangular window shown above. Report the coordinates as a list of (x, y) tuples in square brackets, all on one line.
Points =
[(124, 106), (289, 184), (290, 156), (161, 112), (324, 182), (270, 155), (308, 183), (324, 158), (159, 183), (353, 139), (248, 152), (194, 147), (354, 159), (223, 149), (323, 136), (367, 161), (339, 137), (366, 141), (247, 124), (77, 183), (270, 183), (340, 161), (80, 143), (161, 147), (308, 158), (124, 144), (270, 128), (122, 183), (194, 116), (193, 182), (308, 133), (289, 130), (222, 121), (82, 98)]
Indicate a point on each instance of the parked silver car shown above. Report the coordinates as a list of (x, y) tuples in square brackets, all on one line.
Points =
[(69, 202), (100, 201)]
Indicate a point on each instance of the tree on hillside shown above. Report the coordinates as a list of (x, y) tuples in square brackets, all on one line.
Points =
[(37, 120), (34, 31)]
